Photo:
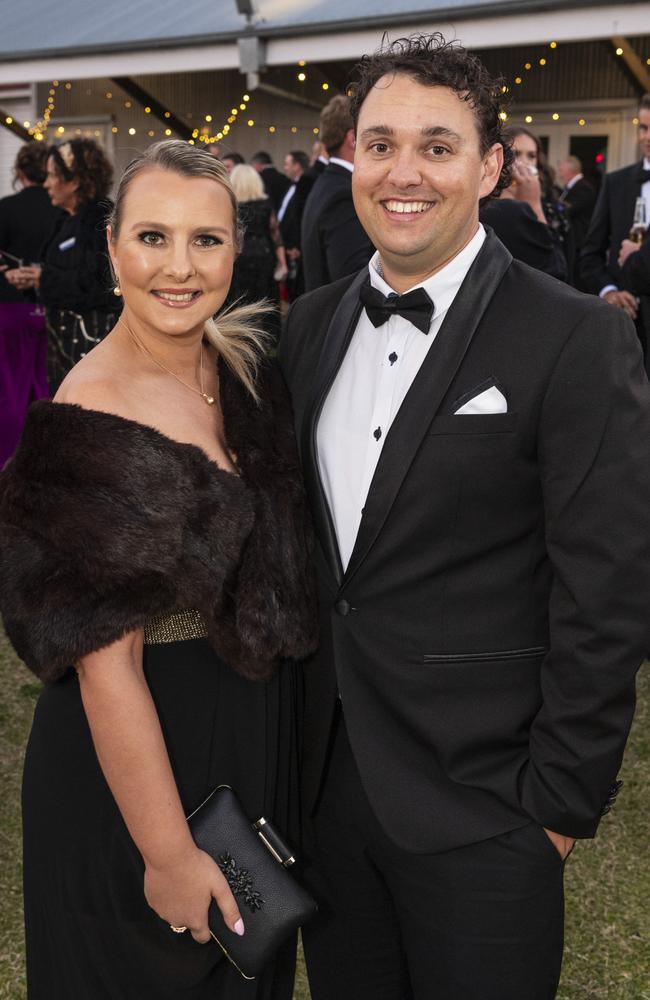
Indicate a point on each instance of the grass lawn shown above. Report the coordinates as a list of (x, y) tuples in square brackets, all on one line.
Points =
[(607, 954)]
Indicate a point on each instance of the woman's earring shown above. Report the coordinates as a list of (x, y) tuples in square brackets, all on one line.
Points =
[(117, 290)]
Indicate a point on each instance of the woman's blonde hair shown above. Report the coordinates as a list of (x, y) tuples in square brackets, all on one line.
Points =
[(236, 334), (246, 183)]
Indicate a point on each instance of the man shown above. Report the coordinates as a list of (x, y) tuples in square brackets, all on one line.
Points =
[(333, 240), (275, 184), (231, 160), (577, 195), (296, 168), (611, 224), (476, 446)]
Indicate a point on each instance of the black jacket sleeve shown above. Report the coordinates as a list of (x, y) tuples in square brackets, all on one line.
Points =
[(636, 270), (78, 277), (593, 452)]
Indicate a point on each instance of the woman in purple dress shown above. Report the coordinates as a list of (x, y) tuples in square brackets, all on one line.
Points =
[(26, 220)]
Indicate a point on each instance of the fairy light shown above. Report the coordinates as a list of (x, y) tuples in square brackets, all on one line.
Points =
[(301, 62), (302, 77), (503, 115), (555, 116), (581, 121), (168, 131), (528, 119), (316, 131), (250, 122), (326, 86), (272, 129), (114, 130), (131, 131), (619, 52)]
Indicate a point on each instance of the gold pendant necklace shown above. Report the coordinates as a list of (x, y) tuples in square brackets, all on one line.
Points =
[(208, 399)]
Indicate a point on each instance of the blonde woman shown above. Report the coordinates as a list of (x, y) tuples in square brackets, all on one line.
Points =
[(153, 566), (262, 261)]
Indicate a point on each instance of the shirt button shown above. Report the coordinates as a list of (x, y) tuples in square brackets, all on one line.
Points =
[(342, 607)]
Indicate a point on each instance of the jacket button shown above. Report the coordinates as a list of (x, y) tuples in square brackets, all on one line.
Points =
[(342, 607)]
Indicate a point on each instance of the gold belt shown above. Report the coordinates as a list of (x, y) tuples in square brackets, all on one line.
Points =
[(176, 627)]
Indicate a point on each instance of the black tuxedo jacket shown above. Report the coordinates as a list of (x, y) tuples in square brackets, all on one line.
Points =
[(580, 200), (610, 225), (275, 184), (292, 220), (333, 241), (485, 636)]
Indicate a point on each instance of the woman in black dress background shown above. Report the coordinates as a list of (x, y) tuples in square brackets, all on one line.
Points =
[(261, 262), (26, 220), (153, 536), (74, 282)]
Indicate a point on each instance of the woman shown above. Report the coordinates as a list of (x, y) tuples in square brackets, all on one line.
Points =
[(26, 220), (74, 282), (525, 217), (153, 535), (262, 261)]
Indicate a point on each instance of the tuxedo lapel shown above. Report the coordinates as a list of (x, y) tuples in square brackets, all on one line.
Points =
[(337, 339), (428, 390)]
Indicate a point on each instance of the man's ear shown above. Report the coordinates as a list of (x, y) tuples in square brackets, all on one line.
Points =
[(491, 170)]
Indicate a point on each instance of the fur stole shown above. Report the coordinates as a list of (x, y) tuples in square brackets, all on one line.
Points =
[(105, 523)]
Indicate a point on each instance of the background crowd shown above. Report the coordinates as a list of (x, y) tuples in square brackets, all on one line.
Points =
[(300, 231)]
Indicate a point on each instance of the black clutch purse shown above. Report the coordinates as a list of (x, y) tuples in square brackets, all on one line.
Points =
[(254, 859)]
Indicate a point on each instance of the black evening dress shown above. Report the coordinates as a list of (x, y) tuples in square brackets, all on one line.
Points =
[(107, 525), (76, 288), (255, 266)]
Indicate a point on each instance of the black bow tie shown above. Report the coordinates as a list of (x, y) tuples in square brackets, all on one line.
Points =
[(643, 175), (415, 306)]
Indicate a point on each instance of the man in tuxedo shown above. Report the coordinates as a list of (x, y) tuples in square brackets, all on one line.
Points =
[(275, 184), (333, 240), (476, 446), (577, 195), (296, 168), (611, 224)]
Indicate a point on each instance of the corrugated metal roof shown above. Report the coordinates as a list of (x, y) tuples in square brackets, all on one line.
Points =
[(30, 28)]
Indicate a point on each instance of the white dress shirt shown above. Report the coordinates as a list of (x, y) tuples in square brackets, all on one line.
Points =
[(375, 376), (285, 202)]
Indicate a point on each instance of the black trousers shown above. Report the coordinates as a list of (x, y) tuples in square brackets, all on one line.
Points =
[(481, 922)]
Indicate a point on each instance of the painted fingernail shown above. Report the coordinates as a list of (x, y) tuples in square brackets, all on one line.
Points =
[(239, 927)]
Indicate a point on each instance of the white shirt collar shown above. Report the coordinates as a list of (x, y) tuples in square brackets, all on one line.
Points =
[(574, 180), (444, 284), (646, 163), (342, 163)]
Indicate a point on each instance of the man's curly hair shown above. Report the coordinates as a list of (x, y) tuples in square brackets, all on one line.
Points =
[(85, 161), (433, 62)]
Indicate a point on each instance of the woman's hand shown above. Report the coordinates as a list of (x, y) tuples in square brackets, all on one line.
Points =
[(526, 186), (627, 248), (23, 278), (181, 893)]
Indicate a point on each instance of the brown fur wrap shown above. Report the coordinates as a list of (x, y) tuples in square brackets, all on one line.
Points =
[(105, 523)]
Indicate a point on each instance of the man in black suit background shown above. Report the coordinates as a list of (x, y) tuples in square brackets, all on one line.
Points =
[(275, 184), (577, 195), (333, 241), (476, 446), (611, 224), (296, 168)]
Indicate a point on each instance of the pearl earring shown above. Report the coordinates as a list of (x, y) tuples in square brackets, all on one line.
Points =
[(117, 291)]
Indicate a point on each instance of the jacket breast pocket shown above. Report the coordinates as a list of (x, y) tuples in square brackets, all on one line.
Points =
[(482, 423)]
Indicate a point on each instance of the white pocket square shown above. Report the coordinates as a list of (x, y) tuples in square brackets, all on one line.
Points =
[(490, 400)]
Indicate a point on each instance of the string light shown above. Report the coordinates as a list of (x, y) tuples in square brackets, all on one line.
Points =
[(302, 77), (581, 121), (619, 52), (131, 131), (528, 119), (555, 116), (301, 62), (326, 86)]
